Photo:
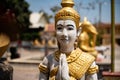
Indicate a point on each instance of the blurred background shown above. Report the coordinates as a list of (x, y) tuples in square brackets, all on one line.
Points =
[(30, 26)]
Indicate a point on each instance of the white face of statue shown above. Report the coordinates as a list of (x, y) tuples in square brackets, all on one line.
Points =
[(66, 33)]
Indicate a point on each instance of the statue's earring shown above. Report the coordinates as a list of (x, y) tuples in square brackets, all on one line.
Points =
[(78, 33), (76, 43), (79, 29)]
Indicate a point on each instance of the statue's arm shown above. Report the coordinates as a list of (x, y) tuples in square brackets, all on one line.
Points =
[(92, 72), (43, 76), (44, 71), (92, 77)]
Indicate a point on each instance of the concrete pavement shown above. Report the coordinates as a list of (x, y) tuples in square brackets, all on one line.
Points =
[(26, 67)]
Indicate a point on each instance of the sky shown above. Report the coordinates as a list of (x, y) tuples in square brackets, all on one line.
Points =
[(91, 14)]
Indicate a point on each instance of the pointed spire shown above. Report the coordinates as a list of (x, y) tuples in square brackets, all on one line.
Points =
[(86, 22), (67, 3)]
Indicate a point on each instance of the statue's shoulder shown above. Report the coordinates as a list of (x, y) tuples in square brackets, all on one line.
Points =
[(43, 66), (50, 56), (80, 64), (87, 56), (81, 55)]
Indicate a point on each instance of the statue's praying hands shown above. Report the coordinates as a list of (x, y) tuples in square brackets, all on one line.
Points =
[(63, 71)]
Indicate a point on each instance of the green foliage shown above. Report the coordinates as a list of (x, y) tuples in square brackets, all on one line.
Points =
[(18, 17), (55, 9), (20, 9), (29, 36)]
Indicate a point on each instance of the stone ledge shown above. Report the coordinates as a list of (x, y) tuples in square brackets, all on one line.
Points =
[(111, 74), (27, 60)]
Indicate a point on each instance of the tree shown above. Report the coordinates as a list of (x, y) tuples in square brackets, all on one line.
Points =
[(55, 9), (14, 16)]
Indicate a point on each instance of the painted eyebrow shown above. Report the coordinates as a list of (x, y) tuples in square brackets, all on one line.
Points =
[(66, 25), (70, 25), (59, 25)]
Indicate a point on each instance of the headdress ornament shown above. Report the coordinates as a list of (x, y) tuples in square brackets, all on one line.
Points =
[(67, 12)]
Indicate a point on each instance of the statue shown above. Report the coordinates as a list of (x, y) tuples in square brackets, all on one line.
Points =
[(68, 62), (6, 71), (87, 38), (4, 43)]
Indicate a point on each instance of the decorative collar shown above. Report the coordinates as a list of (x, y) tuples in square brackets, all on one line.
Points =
[(71, 57)]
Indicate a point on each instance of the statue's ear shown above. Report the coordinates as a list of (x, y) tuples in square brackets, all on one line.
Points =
[(79, 29)]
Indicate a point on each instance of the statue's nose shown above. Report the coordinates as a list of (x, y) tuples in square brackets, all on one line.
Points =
[(65, 33)]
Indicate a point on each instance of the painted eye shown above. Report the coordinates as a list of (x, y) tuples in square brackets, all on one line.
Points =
[(70, 28), (59, 28)]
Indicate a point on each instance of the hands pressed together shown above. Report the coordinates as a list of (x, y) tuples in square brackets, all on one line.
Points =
[(63, 71)]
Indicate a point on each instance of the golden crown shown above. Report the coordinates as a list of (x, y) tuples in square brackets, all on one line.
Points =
[(67, 12)]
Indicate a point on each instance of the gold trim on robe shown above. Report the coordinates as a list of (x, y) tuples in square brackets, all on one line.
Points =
[(92, 70), (43, 68)]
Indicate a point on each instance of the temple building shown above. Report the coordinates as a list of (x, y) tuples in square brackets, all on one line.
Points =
[(105, 30)]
